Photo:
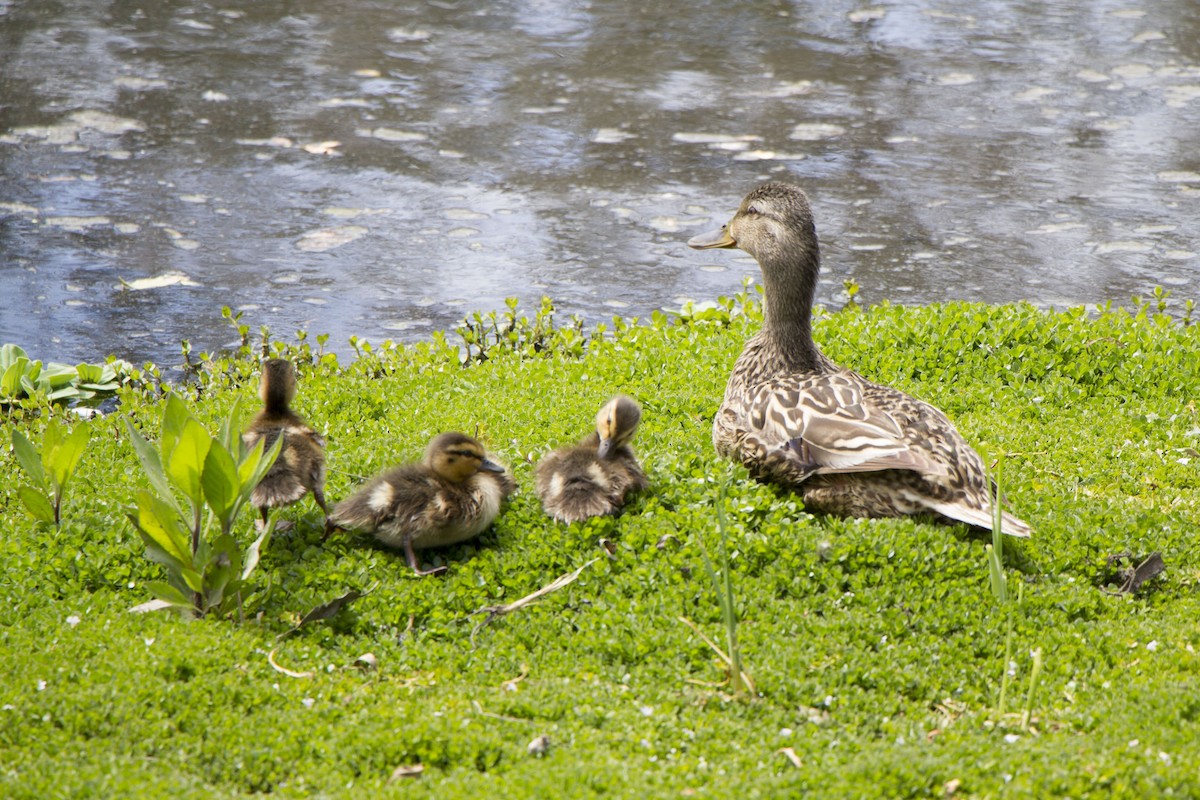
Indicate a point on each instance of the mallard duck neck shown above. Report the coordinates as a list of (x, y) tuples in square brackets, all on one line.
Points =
[(791, 282)]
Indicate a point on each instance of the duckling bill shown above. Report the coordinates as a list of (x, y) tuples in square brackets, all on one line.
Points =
[(595, 477), (300, 466), (453, 495), (793, 417)]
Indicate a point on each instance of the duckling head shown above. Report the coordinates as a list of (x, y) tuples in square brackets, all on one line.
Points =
[(278, 384), (456, 457), (774, 224), (616, 423)]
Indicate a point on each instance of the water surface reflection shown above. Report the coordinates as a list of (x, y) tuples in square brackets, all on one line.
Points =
[(381, 168)]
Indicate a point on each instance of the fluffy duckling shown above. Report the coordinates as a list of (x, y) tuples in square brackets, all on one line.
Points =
[(451, 496), (594, 477), (300, 467), (792, 416)]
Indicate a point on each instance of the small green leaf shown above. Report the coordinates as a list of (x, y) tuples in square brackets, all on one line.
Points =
[(254, 551), (36, 503), (193, 580), (28, 458), (64, 457)]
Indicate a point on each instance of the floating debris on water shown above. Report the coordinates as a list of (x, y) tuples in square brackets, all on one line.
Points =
[(463, 214), (1122, 246), (867, 14), (76, 224), (392, 135), (1055, 227), (401, 35), (1178, 176), (1034, 93), (319, 241), (321, 148), (611, 136), (712, 138), (956, 79), (815, 131), (172, 278)]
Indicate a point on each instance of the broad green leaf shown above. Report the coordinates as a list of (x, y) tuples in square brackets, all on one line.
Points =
[(152, 465), (174, 419), (36, 503), (59, 375), (64, 458), (28, 458), (63, 393), (10, 353), (166, 596), (185, 465), (220, 482), (89, 373), (10, 381), (160, 525)]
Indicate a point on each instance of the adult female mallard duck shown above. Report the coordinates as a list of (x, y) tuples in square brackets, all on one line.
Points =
[(300, 466), (594, 477), (451, 496), (846, 445)]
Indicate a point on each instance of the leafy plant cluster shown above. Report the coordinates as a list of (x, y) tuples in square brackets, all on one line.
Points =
[(200, 482), (22, 378)]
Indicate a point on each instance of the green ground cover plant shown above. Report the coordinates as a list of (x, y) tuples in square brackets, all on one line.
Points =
[(878, 649)]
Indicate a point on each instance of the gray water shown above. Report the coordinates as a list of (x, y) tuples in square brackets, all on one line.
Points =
[(383, 168)]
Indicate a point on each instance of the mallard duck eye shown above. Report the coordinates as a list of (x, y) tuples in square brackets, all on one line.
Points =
[(752, 210)]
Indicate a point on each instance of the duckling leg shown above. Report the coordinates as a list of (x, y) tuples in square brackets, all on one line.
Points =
[(411, 555), (319, 496)]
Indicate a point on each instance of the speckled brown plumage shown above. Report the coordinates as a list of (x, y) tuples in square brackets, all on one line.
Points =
[(453, 495), (595, 477), (847, 445), (300, 466)]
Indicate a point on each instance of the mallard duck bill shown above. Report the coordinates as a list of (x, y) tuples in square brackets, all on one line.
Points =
[(713, 239), (490, 466)]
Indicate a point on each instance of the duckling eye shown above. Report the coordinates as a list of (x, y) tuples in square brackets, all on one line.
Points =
[(752, 210)]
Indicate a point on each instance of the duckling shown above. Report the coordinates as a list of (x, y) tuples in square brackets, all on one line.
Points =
[(452, 496), (594, 477), (300, 466), (792, 416)]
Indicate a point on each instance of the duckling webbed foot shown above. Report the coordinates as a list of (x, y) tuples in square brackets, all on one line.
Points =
[(411, 556)]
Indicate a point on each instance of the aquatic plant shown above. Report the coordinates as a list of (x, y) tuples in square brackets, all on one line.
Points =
[(22, 378)]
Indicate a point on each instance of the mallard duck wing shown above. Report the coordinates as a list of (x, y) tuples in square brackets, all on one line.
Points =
[(825, 424)]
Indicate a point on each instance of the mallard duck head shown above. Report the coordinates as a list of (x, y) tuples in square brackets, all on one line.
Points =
[(774, 224), (456, 457), (616, 423), (278, 384)]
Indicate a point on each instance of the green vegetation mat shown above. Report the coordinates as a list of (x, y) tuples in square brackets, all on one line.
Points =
[(877, 647)]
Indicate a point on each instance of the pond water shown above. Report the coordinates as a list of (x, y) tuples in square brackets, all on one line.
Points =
[(382, 168)]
